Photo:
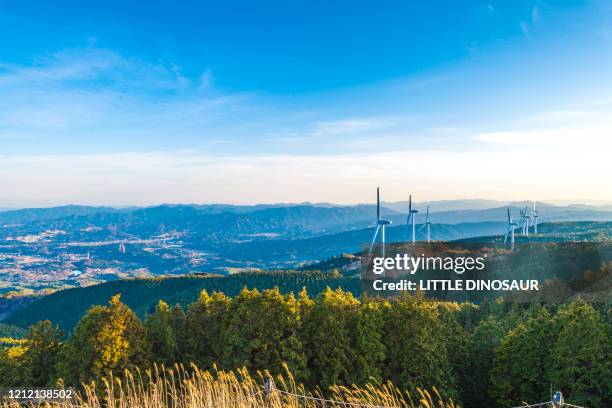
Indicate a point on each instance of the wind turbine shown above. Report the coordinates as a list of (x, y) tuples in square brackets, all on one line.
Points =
[(510, 231), (527, 218), (380, 226), (411, 217), (535, 219), (427, 225)]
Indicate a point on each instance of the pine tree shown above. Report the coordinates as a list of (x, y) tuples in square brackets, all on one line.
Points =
[(582, 356), (369, 347), (417, 353), (178, 321), (204, 329), (475, 373), (327, 333), (161, 335), (42, 347), (261, 332), (520, 371)]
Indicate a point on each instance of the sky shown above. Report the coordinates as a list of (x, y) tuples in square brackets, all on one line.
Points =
[(141, 103)]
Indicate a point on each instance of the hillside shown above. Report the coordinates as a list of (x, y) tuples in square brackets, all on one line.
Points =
[(283, 252), (26, 215), (10, 331), (65, 307), (568, 252), (580, 231), (192, 222)]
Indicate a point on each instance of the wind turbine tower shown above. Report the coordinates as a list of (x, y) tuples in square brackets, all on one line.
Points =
[(380, 226), (427, 225), (411, 216), (535, 219), (510, 231), (527, 218)]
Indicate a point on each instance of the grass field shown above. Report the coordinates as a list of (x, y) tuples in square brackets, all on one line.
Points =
[(180, 387)]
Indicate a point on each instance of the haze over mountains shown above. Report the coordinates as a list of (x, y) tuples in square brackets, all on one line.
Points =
[(315, 215)]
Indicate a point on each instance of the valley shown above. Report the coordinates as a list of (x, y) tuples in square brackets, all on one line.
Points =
[(44, 250)]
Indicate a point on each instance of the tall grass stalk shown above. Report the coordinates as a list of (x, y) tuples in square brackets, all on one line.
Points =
[(180, 387)]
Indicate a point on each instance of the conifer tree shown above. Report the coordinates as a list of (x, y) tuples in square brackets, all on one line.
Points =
[(369, 347), (204, 329), (42, 347), (261, 332), (161, 335), (520, 371), (475, 373), (582, 356), (108, 339), (328, 327), (178, 321), (417, 353)]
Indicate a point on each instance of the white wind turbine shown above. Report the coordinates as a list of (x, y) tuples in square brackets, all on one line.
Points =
[(427, 225), (526, 224), (510, 231), (380, 226), (411, 218), (535, 219)]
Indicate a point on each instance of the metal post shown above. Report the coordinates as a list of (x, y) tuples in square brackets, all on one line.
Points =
[(268, 389)]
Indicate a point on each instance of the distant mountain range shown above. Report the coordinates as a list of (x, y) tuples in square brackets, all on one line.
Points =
[(195, 222), (292, 219), (25, 215)]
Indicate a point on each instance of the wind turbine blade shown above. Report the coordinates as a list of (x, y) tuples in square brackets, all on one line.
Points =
[(509, 219), (374, 239), (422, 226), (506, 235), (410, 203), (427, 215)]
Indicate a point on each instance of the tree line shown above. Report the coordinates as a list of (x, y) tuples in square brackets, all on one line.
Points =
[(141, 294), (492, 354)]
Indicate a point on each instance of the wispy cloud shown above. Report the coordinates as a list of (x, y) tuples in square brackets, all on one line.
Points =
[(93, 64), (351, 126), (528, 25), (90, 92)]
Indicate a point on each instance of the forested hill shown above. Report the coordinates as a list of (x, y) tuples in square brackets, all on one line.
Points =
[(141, 295)]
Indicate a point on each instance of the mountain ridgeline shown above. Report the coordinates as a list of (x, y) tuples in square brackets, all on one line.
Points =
[(228, 222)]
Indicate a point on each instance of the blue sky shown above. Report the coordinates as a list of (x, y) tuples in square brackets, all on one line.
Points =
[(242, 102)]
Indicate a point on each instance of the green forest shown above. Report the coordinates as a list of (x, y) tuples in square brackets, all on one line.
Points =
[(486, 355)]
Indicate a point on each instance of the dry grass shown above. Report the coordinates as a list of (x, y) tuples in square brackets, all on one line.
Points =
[(178, 387)]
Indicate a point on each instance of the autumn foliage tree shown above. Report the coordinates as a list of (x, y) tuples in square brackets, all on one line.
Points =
[(108, 339)]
